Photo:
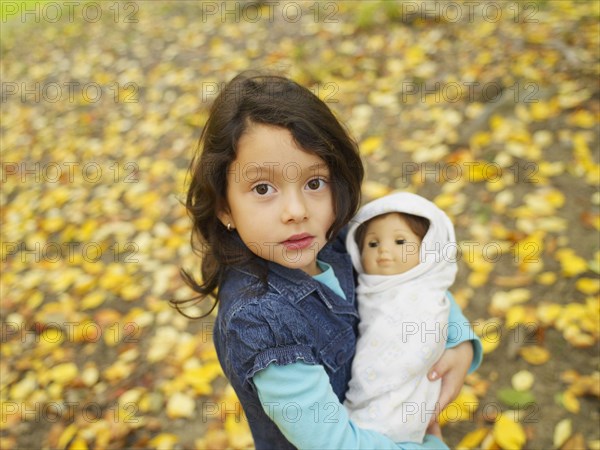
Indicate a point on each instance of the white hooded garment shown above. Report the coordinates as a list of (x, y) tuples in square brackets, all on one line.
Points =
[(403, 326)]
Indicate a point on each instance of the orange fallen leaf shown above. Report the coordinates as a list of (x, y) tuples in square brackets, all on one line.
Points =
[(575, 442)]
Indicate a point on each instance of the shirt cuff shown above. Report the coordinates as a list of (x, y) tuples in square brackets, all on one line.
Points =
[(459, 330)]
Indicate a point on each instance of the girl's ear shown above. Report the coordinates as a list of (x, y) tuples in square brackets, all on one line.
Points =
[(225, 218)]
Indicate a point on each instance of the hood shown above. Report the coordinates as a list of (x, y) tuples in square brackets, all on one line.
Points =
[(438, 249)]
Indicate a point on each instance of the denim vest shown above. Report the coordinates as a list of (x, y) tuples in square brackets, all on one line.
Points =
[(297, 318)]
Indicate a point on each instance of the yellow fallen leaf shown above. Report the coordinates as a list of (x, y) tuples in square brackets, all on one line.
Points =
[(590, 324), (514, 316), (478, 279), (571, 264), (594, 445), (578, 339), (490, 342), (535, 354), (570, 402), (562, 432), (509, 434), (164, 441), (374, 190), (213, 438), (583, 119), (529, 250), (200, 378), (67, 435), (479, 140), (550, 169), (52, 224), (547, 313), (90, 375), (103, 434), (130, 396), (180, 405), (489, 443), (144, 223), (64, 373), (22, 389), (238, 431), (588, 286), (86, 330), (543, 138), (35, 300), (472, 439), (546, 278), (554, 197), (369, 145), (93, 300), (594, 263), (114, 278), (51, 339), (522, 380), (78, 444), (118, 371), (131, 292), (65, 279), (592, 305), (543, 110), (503, 300), (461, 409), (162, 343)]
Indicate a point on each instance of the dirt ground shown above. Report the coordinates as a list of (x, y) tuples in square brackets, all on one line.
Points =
[(491, 110)]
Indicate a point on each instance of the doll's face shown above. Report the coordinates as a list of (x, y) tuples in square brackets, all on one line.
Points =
[(390, 247)]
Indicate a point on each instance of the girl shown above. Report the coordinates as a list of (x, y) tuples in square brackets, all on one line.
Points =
[(275, 181)]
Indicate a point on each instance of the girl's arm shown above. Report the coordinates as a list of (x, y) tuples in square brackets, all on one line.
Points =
[(459, 332), (463, 355), (299, 399)]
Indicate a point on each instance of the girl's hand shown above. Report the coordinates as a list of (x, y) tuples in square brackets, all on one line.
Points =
[(452, 368)]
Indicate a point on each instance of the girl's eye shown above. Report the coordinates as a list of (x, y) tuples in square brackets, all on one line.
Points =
[(373, 244), (316, 184), (400, 241), (262, 189)]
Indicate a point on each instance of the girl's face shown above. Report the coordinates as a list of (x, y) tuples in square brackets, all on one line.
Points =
[(390, 246), (279, 198)]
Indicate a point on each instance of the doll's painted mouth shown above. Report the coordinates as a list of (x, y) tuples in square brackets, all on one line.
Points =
[(384, 262)]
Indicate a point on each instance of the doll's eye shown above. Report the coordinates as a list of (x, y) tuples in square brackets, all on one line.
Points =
[(262, 189), (400, 241), (373, 244)]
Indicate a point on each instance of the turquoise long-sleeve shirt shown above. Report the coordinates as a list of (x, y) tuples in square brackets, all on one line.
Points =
[(299, 399)]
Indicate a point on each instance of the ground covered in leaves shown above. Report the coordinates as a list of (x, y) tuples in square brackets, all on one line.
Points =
[(491, 109)]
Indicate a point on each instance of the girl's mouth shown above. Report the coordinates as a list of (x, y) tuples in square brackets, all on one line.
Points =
[(298, 241)]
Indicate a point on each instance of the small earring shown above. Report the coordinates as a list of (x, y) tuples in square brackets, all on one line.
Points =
[(228, 226)]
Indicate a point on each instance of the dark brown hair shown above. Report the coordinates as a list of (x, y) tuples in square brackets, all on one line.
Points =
[(255, 98), (418, 225)]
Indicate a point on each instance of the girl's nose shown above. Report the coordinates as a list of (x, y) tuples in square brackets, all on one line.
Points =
[(294, 208)]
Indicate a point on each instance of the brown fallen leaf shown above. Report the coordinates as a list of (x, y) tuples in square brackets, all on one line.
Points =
[(518, 280), (575, 442)]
